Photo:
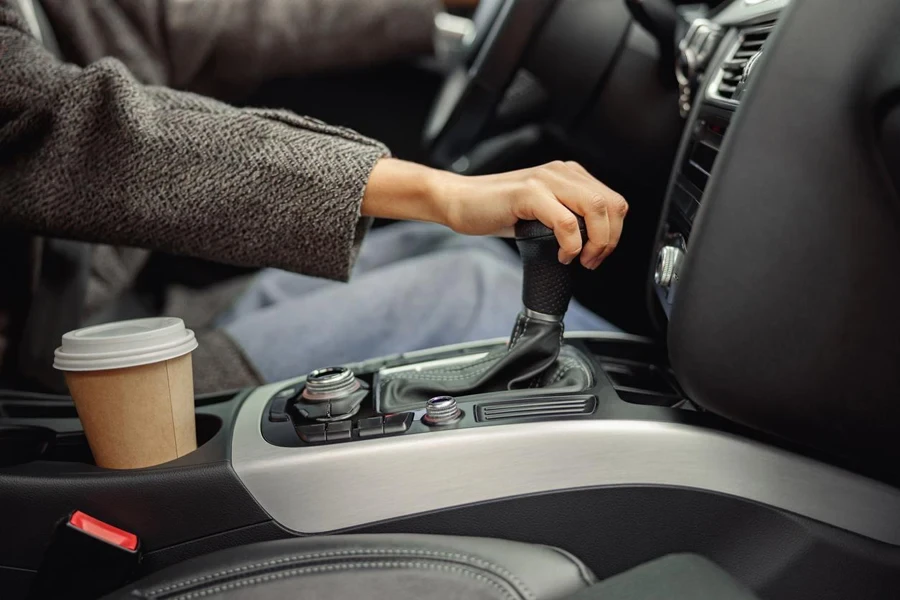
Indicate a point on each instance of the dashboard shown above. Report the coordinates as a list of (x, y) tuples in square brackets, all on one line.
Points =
[(717, 56)]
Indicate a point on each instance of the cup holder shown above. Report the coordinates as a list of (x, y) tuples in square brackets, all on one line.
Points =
[(20, 444), (45, 428)]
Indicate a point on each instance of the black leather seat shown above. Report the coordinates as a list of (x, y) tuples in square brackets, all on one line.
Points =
[(421, 567)]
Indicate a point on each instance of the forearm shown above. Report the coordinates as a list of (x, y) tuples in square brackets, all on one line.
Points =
[(92, 155), (407, 191), (229, 47)]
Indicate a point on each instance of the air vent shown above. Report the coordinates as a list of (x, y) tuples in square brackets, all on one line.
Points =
[(749, 43), (536, 408)]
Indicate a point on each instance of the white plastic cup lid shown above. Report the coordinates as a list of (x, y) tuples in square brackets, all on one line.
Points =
[(124, 344)]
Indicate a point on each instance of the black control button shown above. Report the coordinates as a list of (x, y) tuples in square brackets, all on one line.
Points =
[(278, 409), (312, 433), (278, 417), (371, 427), (398, 423), (339, 430)]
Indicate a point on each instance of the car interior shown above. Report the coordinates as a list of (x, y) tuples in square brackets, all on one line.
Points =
[(737, 439)]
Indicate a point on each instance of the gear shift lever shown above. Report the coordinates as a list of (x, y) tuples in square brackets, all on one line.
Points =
[(532, 359), (547, 284)]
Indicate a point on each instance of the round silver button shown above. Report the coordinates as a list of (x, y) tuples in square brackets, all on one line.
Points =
[(442, 410), (668, 264), (332, 383)]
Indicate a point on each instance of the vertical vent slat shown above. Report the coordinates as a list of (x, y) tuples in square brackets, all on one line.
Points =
[(749, 43)]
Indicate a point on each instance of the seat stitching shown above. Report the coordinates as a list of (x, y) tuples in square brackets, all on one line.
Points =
[(338, 553), (347, 567)]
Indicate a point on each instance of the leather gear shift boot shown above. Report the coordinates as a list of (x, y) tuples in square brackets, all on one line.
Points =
[(535, 358)]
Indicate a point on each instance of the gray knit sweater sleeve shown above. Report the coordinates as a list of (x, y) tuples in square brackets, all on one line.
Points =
[(91, 154), (225, 48)]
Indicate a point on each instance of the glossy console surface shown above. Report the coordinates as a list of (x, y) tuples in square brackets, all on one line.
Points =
[(316, 489)]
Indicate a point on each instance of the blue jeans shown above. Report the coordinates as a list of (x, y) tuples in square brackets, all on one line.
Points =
[(414, 286)]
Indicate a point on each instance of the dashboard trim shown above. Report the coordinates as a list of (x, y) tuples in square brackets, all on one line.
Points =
[(324, 489)]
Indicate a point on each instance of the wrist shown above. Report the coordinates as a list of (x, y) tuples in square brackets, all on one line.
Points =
[(407, 191), (442, 194)]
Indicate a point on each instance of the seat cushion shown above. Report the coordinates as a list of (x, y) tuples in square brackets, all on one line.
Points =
[(673, 577), (395, 567)]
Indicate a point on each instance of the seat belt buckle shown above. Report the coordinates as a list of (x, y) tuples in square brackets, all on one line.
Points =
[(86, 559)]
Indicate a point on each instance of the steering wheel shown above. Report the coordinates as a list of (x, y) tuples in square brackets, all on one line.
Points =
[(472, 90)]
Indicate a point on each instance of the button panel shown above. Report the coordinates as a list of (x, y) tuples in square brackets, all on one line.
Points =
[(337, 431), (398, 423), (284, 423), (371, 427), (312, 434), (343, 431)]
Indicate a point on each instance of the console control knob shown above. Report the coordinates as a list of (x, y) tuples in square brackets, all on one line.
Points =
[(332, 394), (668, 265), (442, 410), (333, 383)]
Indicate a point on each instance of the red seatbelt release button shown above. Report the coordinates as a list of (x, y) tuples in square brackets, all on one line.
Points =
[(103, 531)]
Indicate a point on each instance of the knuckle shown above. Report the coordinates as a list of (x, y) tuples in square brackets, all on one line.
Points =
[(621, 205), (598, 203), (568, 224), (557, 166), (571, 245)]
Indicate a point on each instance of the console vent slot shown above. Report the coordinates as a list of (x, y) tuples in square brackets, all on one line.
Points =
[(750, 42), (536, 408)]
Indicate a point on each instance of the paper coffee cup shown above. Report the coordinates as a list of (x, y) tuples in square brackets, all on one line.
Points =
[(133, 388)]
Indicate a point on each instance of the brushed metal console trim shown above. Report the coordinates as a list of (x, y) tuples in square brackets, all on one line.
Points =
[(322, 489)]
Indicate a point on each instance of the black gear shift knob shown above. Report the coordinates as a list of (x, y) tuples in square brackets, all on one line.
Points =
[(547, 285)]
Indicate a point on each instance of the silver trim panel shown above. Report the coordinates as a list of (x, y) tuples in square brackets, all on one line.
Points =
[(321, 489)]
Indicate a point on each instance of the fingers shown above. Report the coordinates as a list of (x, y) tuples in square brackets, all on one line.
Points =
[(604, 200), (603, 209), (580, 195), (541, 204), (556, 190)]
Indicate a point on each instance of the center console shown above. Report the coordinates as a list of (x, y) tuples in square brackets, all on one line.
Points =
[(534, 377)]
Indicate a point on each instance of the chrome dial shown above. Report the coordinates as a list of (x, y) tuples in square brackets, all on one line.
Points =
[(442, 410), (668, 265)]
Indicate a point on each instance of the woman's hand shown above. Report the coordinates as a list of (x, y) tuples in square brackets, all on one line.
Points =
[(493, 204)]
